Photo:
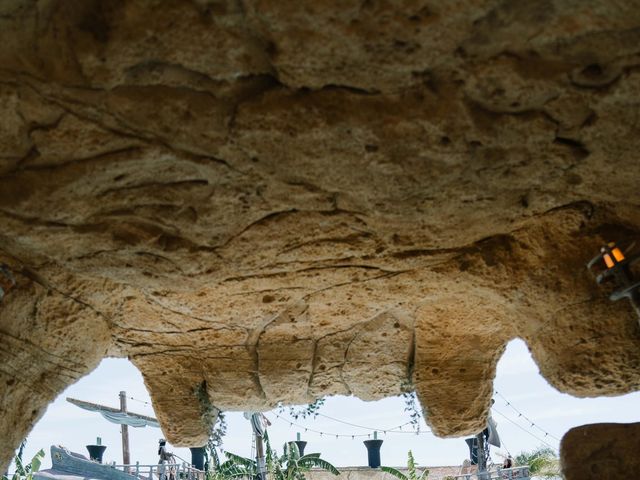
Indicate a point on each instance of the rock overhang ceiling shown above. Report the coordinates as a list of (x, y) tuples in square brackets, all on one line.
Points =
[(273, 201)]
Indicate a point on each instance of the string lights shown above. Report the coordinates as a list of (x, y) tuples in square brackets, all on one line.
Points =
[(522, 415), (353, 436), (140, 401), (399, 428), (321, 433), (525, 430), (362, 426)]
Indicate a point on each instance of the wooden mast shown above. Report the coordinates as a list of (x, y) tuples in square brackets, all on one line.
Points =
[(120, 416), (126, 459)]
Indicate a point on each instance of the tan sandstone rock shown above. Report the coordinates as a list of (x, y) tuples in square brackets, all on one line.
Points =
[(603, 451), (262, 201)]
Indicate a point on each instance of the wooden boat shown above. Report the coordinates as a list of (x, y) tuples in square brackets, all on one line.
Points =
[(68, 465)]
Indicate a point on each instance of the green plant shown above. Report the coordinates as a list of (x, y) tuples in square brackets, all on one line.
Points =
[(21, 449), (214, 442), (411, 403), (291, 466), (412, 472), (288, 466), (26, 471), (412, 406), (236, 467), (543, 462), (310, 410)]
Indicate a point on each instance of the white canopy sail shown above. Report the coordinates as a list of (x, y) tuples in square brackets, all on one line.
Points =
[(116, 416)]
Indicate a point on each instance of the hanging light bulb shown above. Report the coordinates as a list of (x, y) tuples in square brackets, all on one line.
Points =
[(611, 255)]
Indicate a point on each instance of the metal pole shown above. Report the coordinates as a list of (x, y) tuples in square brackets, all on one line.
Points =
[(126, 460), (260, 460), (635, 301), (482, 459)]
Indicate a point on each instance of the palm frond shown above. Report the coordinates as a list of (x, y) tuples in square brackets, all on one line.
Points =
[(424, 474), (291, 449), (310, 455), (21, 470), (411, 466), (395, 472), (234, 471), (246, 462), (36, 461), (232, 465), (319, 462)]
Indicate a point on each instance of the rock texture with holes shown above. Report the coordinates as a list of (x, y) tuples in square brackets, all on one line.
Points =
[(260, 201), (602, 451)]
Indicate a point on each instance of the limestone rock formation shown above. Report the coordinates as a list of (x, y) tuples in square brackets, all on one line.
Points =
[(603, 451), (263, 201)]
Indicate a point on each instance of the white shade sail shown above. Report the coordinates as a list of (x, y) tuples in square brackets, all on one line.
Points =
[(116, 416)]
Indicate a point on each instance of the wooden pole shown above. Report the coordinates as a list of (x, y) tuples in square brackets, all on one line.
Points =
[(126, 460)]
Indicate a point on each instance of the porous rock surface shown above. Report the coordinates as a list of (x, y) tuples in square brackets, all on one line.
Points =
[(263, 201), (602, 451)]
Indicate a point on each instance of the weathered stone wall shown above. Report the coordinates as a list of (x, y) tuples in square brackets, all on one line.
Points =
[(366, 473), (265, 201)]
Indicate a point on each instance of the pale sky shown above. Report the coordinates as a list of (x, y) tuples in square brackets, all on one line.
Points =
[(518, 380)]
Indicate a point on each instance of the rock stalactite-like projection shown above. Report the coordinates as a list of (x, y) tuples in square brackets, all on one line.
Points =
[(260, 201)]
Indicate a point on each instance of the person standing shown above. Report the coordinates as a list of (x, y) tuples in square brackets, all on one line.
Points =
[(166, 457)]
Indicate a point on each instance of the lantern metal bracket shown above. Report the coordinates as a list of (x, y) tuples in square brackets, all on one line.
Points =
[(612, 265)]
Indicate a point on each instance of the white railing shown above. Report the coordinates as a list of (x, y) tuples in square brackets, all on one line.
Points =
[(515, 473), (162, 471)]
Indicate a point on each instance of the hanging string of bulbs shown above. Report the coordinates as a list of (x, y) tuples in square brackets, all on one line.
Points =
[(522, 415), (399, 428), (328, 434), (353, 436), (554, 448), (141, 401)]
